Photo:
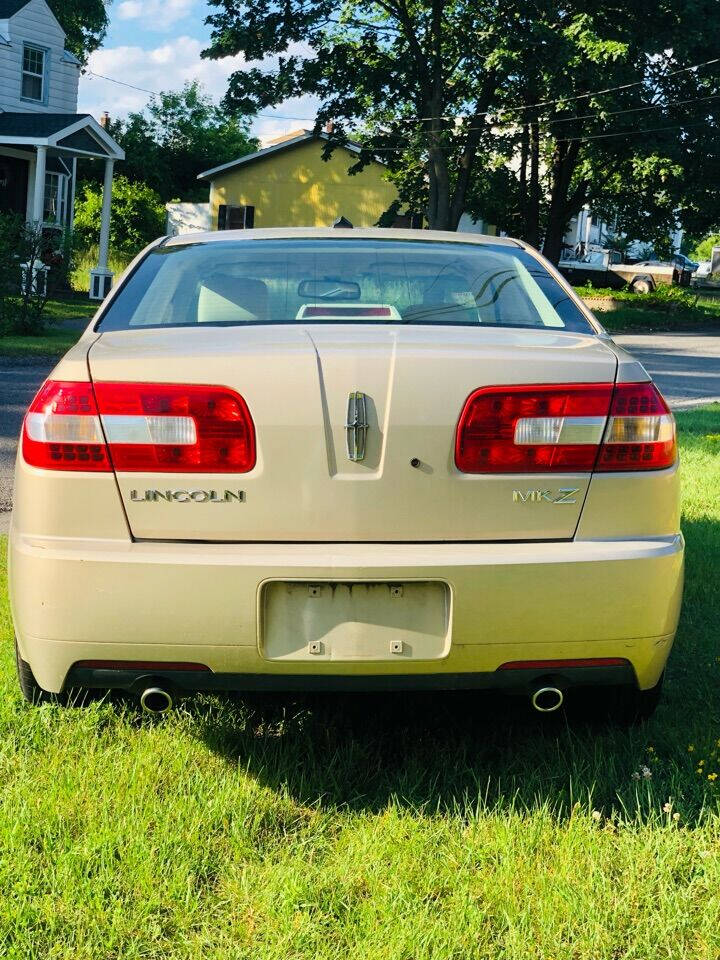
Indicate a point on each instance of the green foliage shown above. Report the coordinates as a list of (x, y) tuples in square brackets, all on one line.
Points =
[(447, 95), (87, 258), (665, 295), (24, 291), (177, 136), (54, 340), (703, 249), (10, 274), (85, 23), (138, 216), (437, 827)]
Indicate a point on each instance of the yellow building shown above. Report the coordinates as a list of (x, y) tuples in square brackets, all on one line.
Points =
[(288, 184)]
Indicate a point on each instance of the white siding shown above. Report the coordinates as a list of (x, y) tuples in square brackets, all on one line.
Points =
[(187, 218), (35, 24)]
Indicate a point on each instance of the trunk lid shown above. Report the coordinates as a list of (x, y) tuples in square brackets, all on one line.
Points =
[(297, 381)]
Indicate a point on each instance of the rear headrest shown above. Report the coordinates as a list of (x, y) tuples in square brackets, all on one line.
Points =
[(225, 298)]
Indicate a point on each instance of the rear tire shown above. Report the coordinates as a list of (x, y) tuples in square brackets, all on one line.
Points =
[(30, 688), (630, 706), (641, 286)]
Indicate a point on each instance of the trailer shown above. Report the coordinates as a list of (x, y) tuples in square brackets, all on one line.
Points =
[(604, 268)]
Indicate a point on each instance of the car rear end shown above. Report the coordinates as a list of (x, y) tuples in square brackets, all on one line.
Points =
[(349, 460)]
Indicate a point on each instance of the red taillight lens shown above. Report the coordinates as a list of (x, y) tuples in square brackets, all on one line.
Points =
[(176, 428), (562, 428), (532, 429), (62, 429), (159, 428), (640, 433)]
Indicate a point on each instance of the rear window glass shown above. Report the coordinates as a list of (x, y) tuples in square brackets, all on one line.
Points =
[(309, 281)]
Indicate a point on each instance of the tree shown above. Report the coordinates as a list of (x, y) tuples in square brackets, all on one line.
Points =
[(176, 137), (704, 248), (138, 216), (85, 23), (456, 95)]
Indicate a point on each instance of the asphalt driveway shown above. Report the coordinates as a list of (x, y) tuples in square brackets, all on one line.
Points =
[(686, 367)]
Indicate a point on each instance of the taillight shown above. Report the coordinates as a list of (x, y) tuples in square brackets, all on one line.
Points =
[(176, 428), (640, 433), (532, 429), (153, 427), (62, 429), (559, 428)]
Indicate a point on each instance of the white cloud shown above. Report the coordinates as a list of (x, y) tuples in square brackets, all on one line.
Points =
[(167, 67), (157, 15)]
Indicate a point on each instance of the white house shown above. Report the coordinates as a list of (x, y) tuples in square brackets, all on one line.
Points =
[(587, 232), (41, 133)]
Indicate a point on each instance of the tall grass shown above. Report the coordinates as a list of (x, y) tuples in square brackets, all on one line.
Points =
[(434, 827), (86, 260)]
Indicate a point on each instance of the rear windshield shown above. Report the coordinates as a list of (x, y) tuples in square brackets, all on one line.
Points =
[(306, 281)]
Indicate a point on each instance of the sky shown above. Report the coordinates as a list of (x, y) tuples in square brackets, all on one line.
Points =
[(156, 44)]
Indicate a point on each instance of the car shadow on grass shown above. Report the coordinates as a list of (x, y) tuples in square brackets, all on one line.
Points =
[(455, 750)]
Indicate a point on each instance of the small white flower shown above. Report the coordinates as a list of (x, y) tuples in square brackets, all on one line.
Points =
[(676, 817), (596, 815), (646, 772), (667, 807), (636, 775)]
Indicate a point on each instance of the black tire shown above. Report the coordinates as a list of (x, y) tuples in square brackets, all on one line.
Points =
[(30, 688), (629, 706)]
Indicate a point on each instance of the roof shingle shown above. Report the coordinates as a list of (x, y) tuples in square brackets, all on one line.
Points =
[(8, 8), (36, 124)]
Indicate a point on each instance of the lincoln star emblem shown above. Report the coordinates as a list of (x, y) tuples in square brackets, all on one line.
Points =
[(356, 426)]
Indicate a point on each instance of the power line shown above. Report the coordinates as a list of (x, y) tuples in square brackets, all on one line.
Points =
[(598, 136), (487, 113), (156, 93), (585, 116)]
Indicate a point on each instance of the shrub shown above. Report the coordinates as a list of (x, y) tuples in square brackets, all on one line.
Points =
[(138, 215), (665, 297), (22, 297), (703, 250)]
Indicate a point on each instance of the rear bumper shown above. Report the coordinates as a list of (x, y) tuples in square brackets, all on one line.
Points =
[(77, 600), (511, 681)]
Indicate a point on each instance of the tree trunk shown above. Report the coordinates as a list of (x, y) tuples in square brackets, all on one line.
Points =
[(523, 188), (439, 208), (532, 224), (562, 204)]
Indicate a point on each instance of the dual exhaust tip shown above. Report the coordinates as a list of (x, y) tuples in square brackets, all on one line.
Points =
[(158, 700)]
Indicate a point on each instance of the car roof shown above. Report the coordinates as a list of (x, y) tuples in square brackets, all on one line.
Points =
[(336, 233)]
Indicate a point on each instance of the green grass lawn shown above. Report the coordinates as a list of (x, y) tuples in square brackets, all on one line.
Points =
[(669, 309), (57, 338), (396, 828), (629, 319)]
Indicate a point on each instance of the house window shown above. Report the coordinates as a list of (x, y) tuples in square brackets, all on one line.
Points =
[(235, 218), (33, 74), (54, 205)]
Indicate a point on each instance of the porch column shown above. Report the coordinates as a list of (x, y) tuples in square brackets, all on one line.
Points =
[(71, 210), (101, 277), (39, 187)]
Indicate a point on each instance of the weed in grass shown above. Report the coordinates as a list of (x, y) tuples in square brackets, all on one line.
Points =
[(438, 826)]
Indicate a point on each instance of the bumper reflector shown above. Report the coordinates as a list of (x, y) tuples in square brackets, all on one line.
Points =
[(139, 665), (562, 664)]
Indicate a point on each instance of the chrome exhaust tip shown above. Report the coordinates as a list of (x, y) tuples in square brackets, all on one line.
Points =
[(156, 700), (547, 699)]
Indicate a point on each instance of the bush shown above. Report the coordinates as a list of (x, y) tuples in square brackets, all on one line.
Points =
[(86, 259), (665, 297), (22, 297), (703, 250), (138, 215)]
